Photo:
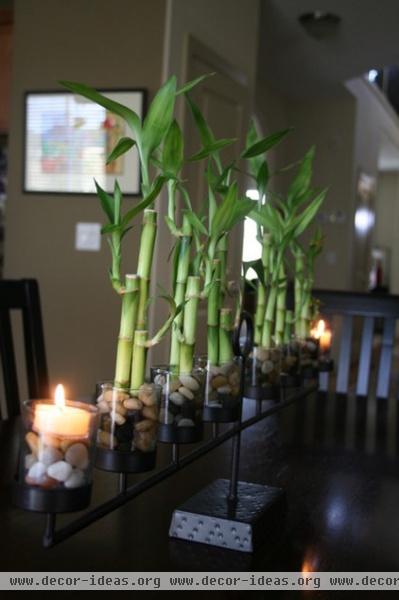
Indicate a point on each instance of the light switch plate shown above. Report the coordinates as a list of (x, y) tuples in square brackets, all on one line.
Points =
[(88, 237)]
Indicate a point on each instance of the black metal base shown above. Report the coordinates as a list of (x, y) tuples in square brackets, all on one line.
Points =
[(290, 381), (125, 462), (209, 517), (172, 434), (222, 414), (41, 500), (309, 372), (326, 365), (256, 392)]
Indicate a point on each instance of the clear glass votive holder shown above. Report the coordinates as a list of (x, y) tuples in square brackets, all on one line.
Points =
[(290, 375), (182, 398), (56, 456), (222, 400), (262, 374), (127, 436)]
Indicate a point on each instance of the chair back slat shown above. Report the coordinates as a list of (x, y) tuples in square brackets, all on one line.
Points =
[(23, 295), (384, 370), (380, 313), (323, 381), (345, 355), (366, 347), (36, 362), (8, 364)]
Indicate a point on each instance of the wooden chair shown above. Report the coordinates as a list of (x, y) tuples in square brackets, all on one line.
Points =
[(23, 295), (372, 309)]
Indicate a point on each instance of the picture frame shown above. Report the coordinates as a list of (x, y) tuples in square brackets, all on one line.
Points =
[(67, 139)]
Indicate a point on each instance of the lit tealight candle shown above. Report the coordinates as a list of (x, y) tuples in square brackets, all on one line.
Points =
[(60, 419), (323, 334)]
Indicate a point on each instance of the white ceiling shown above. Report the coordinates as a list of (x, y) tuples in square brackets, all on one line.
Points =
[(300, 66)]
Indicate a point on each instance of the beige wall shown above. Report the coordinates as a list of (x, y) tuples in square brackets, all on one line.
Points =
[(329, 124), (105, 44), (229, 30), (387, 222)]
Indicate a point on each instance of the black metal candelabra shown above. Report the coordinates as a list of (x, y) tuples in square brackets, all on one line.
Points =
[(228, 513)]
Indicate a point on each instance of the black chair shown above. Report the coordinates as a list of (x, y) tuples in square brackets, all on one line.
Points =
[(373, 309), (23, 295)]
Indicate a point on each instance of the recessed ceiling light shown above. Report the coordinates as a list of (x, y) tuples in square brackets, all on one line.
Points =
[(320, 24)]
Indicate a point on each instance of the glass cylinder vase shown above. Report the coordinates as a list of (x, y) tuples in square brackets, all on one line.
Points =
[(126, 440), (222, 401), (182, 397), (262, 374), (57, 455)]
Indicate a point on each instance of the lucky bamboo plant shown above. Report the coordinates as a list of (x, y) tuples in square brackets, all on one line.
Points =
[(149, 135), (281, 220)]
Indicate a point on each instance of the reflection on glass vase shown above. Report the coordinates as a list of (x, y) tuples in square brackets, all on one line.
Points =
[(126, 440), (262, 374), (182, 397), (290, 364), (222, 403)]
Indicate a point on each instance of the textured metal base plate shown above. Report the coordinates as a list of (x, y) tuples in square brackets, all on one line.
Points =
[(209, 518)]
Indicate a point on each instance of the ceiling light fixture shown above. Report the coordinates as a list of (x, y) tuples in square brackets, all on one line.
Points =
[(320, 24)]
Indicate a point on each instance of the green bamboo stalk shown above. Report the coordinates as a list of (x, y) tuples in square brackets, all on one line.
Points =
[(189, 324), (180, 288), (288, 326), (147, 243), (221, 254), (130, 301), (304, 328), (138, 359), (261, 294), (225, 342), (213, 316), (280, 306), (299, 275)]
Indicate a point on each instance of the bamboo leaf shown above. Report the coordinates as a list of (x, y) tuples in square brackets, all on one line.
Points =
[(301, 182), (123, 145), (126, 113), (191, 84), (172, 154), (265, 144), (195, 222), (212, 149), (205, 132), (117, 203), (307, 216), (262, 179), (159, 116), (147, 201), (229, 212), (107, 202)]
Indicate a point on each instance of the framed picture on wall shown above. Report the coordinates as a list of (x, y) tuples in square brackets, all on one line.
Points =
[(68, 139)]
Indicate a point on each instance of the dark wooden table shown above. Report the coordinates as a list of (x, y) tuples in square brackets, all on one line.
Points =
[(336, 457)]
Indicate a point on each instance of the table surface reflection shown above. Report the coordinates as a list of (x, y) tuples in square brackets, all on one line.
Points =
[(337, 458)]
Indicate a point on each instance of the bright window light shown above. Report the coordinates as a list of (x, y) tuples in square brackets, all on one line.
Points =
[(372, 75), (251, 248), (364, 220), (252, 194)]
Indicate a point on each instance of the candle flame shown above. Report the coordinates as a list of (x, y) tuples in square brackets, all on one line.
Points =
[(59, 396), (318, 331)]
